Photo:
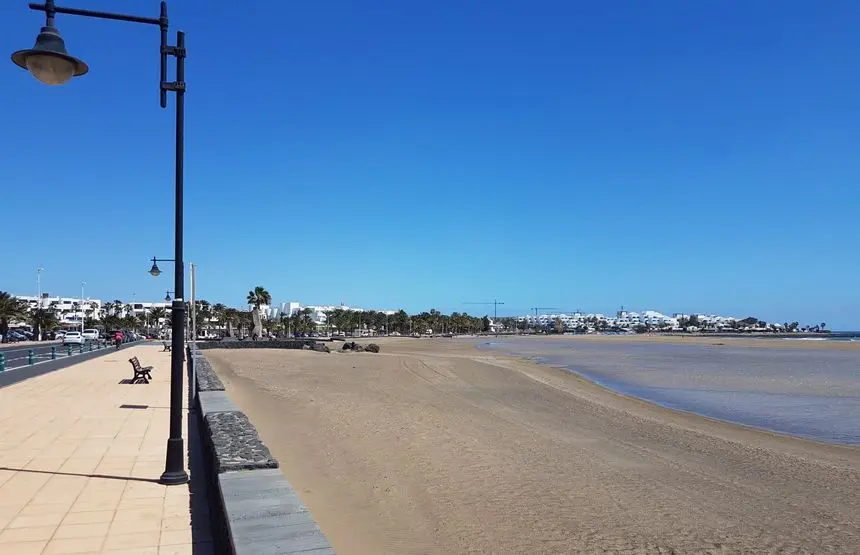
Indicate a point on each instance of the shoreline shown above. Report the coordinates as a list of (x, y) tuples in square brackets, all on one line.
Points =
[(435, 447), (641, 392), (768, 342), (587, 381)]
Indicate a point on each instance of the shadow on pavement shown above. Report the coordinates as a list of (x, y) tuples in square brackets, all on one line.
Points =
[(58, 473)]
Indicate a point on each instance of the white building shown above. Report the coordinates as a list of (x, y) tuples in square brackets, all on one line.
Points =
[(142, 310), (318, 312), (70, 310)]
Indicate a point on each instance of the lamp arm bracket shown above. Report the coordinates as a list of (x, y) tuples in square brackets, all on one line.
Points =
[(175, 86), (175, 51)]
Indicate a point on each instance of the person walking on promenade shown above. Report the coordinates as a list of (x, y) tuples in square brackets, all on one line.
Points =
[(117, 338)]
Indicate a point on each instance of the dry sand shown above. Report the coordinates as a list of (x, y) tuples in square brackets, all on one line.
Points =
[(435, 447)]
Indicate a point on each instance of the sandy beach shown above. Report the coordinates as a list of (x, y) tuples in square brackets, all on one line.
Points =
[(433, 446)]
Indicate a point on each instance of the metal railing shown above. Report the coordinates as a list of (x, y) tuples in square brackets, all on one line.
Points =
[(33, 357)]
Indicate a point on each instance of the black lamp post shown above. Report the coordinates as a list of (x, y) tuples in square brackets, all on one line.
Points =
[(49, 62)]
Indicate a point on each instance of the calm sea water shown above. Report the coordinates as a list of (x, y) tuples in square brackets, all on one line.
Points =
[(811, 393)]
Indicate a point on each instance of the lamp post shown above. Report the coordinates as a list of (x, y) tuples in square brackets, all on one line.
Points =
[(50, 63), (81, 307), (39, 287)]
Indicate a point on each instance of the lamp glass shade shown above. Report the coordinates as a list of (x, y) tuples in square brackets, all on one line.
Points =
[(167, 298), (50, 69), (154, 271), (48, 60)]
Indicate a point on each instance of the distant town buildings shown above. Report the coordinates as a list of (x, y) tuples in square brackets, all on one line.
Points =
[(317, 314), (71, 311), (629, 320)]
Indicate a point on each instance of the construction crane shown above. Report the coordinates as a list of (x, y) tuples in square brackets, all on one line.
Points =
[(536, 308), (495, 304)]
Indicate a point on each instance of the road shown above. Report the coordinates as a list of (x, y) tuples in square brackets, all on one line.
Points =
[(18, 361), (17, 356)]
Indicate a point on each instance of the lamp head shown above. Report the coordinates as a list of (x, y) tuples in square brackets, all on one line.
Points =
[(48, 60), (154, 271), (167, 297)]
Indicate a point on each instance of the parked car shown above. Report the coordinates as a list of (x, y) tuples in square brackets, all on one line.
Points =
[(13, 336), (90, 334), (73, 338)]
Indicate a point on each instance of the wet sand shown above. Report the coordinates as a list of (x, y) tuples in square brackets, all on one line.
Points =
[(696, 339), (435, 447)]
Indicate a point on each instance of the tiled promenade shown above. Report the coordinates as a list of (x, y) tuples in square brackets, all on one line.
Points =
[(80, 458)]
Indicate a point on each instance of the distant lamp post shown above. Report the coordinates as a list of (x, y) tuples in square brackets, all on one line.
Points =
[(167, 296), (49, 62), (81, 307), (155, 271)]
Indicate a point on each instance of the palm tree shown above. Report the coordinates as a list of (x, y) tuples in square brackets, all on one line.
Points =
[(204, 314), (257, 298), (43, 319), (221, 314), (156, 313), (130, 321), (11, 309), (75, 308)]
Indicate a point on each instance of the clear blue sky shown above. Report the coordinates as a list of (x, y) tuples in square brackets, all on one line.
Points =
[(675, 155)]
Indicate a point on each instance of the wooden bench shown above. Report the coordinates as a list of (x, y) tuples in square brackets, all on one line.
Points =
[(141, 373), (166, 347)]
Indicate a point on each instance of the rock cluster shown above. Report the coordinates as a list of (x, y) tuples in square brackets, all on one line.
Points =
[(353, 346)]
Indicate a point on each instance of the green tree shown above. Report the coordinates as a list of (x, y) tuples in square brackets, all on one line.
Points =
[(11, 309), (259, 296), (204, 315), (43, 319), (130, 321), (155, 315)]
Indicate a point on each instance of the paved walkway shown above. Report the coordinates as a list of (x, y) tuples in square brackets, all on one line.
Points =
[(80, 458)]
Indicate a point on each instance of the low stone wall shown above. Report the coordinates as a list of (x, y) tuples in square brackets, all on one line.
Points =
[(261, 344), (255, 510)]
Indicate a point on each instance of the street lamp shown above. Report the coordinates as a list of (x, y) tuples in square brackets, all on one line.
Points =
[(155, 271), (50, 63), (167, 296)]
